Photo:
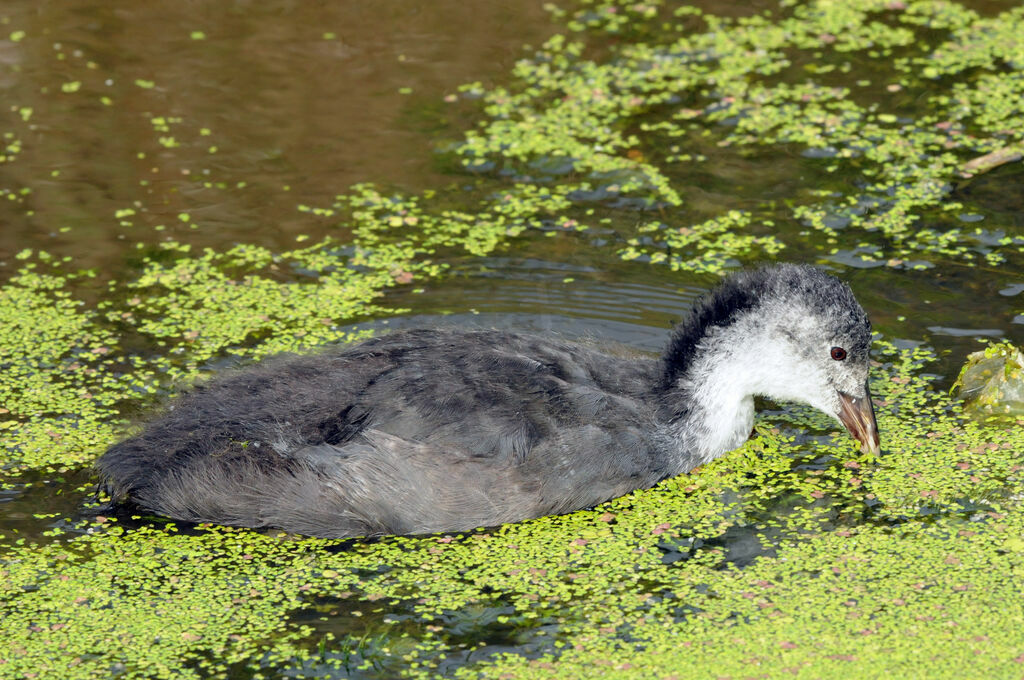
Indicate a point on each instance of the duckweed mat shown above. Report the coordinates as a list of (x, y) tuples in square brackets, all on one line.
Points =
[(650, 136)]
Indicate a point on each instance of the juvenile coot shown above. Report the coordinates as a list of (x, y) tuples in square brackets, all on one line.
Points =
[(444, 430)]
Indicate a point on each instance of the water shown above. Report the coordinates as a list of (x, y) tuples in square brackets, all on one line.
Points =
[(304, 100), (304, 107), (285, 106)]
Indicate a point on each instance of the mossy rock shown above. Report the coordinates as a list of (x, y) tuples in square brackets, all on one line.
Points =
[(992, 382)]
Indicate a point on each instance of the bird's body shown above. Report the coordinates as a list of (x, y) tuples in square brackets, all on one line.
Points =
[(444, 430)]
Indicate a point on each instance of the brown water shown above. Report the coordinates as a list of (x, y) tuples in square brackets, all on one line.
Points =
[(302, 100), (285, 107)]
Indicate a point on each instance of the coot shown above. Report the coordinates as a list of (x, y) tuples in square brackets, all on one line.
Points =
[(446, 430)]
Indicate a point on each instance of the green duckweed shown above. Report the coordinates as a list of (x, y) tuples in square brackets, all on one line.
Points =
[(794, 555)]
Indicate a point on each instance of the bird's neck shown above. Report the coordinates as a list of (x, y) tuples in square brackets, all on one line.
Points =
[(716, 419), (710, 407)]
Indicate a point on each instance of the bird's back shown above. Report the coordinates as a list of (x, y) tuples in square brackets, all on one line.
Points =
[(412, 432)]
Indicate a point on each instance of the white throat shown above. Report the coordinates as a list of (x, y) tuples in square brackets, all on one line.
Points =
[(734, 364), (722, 414)]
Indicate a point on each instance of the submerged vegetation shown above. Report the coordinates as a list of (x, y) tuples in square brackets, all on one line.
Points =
[(835, 132)]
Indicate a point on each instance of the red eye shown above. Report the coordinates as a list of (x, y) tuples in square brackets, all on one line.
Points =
[(838, 353)]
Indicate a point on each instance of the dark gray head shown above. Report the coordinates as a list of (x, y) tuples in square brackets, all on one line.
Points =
[(788, 332)]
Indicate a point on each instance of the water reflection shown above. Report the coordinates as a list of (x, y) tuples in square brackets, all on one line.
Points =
[(234, 113)]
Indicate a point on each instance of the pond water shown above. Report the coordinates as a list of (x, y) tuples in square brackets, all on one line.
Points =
[(210, 124), (309, 97)]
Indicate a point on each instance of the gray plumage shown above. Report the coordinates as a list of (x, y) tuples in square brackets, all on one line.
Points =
[(444, 430)]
